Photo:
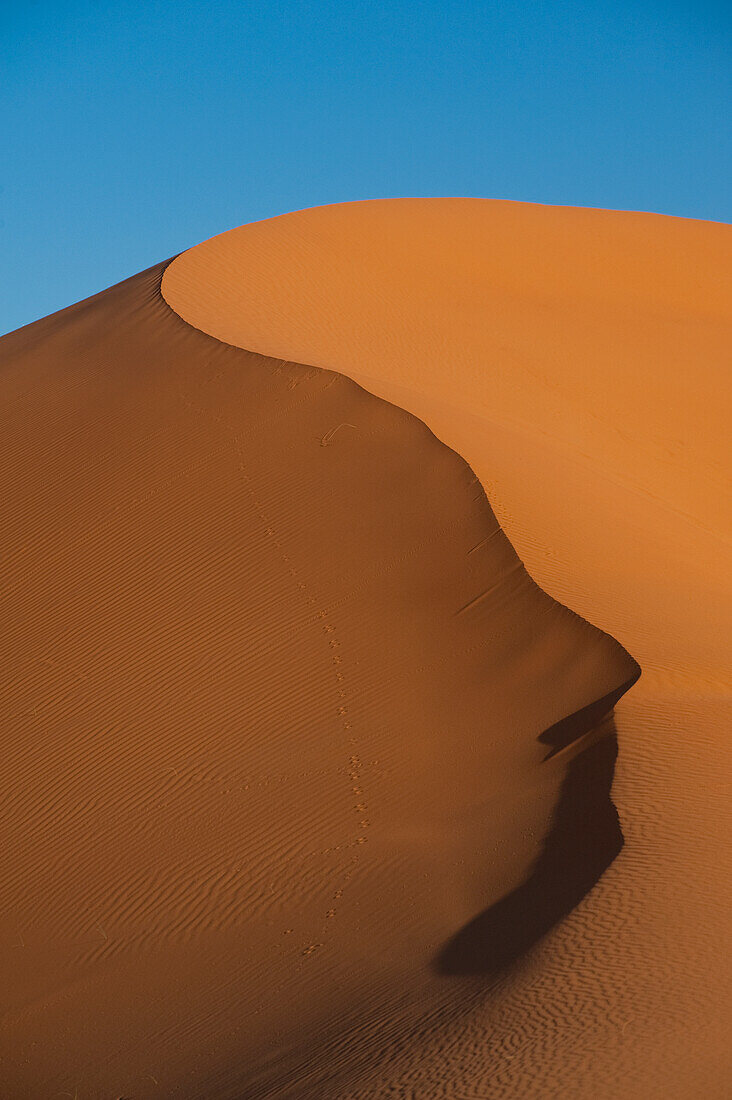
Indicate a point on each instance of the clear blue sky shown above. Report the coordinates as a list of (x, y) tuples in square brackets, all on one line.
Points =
[(132, 130)]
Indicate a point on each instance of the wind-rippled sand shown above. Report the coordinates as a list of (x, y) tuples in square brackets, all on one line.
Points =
[(307, 783)]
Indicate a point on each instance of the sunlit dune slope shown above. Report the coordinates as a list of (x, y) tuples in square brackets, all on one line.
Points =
[(586, 349), (299, 762), (579, 361)]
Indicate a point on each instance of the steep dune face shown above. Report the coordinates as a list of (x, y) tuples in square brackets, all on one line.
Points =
[(578, 360), (299, 760)]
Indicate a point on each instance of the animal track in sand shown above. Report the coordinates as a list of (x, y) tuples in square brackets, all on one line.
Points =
[(329, 630)]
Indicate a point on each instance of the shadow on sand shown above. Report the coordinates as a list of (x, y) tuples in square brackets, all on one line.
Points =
[(584, 839)]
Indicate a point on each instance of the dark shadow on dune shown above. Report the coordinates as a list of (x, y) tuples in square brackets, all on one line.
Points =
[(584, 839)]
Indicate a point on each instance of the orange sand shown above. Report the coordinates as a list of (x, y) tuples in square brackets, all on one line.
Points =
[(306, 782), (579, 361), (284, 717)]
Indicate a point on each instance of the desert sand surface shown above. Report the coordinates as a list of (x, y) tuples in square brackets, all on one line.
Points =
[(307, 781), (579, 361)]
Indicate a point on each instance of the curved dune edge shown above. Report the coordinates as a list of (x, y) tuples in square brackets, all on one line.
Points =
[(284, 716), (586, 387), (528, 338)]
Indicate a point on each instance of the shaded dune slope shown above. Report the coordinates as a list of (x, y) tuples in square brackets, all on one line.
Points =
[(284, 716)]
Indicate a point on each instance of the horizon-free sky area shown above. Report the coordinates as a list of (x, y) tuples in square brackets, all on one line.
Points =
[(135, 130)]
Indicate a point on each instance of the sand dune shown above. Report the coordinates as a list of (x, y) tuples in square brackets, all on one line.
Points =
[(307, 780), (579, 361)]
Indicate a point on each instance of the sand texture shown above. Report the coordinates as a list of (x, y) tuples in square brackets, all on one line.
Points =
[(579, 360), (307, 782)]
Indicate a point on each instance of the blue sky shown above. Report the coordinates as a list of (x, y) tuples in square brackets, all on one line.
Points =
[(136, 129)]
